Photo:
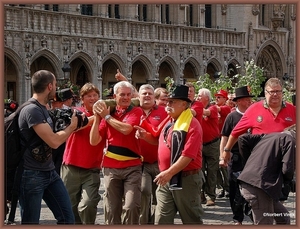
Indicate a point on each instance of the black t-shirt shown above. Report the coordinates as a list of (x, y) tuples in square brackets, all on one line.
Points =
[(31, 115), (231, 120)]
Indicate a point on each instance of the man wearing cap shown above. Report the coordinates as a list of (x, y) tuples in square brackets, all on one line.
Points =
[(180, 162), (223, 110), (243, 100), (211, 144)]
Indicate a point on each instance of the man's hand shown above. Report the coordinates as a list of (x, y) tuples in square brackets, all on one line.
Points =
[(223, 163), (100, 108), (226, 156), (163, 178), (140, 133), (120, 77)]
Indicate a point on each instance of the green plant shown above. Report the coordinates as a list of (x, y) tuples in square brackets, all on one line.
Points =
[(205, 81), (288, 91), (253, 77), (169, 83)]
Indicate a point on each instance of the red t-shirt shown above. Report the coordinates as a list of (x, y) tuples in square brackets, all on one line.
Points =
[(192, 147), (79, 152), (210, 125), (224, 111), (155, 117), (116, 138), (198, 107), (261, 120)]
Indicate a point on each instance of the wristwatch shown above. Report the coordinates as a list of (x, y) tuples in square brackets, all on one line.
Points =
[(107, 117), (226, 150)]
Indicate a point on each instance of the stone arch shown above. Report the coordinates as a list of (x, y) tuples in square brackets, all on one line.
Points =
[(110, 63), (235, 70), (117, 59), (18, 68), (51, 57), (195, 65), (15, 59), (87, 61), (213, 66), (173, 67), (147, 64), (271, 57)]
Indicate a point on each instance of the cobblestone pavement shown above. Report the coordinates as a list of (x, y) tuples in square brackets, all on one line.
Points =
[(220, 214)]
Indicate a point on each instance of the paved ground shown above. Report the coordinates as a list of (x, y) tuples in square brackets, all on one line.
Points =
[(220, 214)]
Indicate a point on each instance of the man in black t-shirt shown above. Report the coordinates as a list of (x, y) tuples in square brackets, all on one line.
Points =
[(243, 101)]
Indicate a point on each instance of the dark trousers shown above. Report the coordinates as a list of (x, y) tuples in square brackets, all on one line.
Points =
[(236, 200)]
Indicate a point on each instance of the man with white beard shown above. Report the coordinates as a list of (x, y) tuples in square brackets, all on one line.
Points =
[(180, 161)]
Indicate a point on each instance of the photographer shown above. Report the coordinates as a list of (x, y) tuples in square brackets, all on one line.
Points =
[(80, 170), (40, 180)]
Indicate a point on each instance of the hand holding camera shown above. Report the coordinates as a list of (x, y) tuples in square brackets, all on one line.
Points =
[(62, 118)]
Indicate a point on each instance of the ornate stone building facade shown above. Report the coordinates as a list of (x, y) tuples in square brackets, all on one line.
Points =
[(146, 42)]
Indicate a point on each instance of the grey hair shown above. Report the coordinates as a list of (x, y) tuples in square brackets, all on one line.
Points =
[(123, 84), (206, 92), (272, 82), (146, 86)]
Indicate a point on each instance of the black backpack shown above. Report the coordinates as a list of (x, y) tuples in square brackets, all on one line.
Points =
[(13, 154)]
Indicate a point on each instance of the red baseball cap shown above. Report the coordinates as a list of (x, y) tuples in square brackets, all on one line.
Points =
[(222, 93)]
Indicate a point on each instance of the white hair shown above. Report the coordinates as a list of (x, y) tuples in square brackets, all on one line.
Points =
[(206, 92), (123, 84)]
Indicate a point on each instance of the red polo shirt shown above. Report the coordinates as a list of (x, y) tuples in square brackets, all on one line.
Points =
[(198, 107), (261, 120), (192, 147), (210, 125), (224, 111), (116, 138), (79, 152), (154, 118)]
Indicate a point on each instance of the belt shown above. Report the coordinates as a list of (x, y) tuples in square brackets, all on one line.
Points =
[(212, 141), (189, 172)]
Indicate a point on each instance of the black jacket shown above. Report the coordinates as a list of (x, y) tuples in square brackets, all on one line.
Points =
[(270, 161)]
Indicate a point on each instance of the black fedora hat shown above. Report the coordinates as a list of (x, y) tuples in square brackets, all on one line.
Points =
[(179, 92), (242, 92)]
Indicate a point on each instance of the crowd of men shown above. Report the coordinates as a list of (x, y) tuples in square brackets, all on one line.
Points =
[(166, 155)]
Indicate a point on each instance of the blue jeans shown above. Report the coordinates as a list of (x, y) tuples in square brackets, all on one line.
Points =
[(46, 185)]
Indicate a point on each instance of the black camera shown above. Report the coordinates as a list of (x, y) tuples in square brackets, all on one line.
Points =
[(61, 118)]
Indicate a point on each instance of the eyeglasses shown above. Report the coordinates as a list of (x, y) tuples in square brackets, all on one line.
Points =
[(219, 97), (278, 92)]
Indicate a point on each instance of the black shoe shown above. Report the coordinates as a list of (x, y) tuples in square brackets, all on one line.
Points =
[(221, 194)]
